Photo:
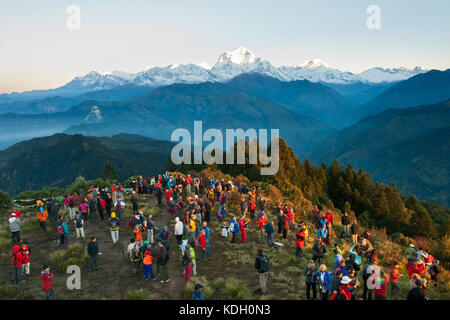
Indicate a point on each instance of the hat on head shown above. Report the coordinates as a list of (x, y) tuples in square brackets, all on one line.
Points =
[(411, 245), (198, 286), (45, 266)]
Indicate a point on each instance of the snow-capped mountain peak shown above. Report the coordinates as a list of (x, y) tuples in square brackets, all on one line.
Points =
[(231, 64), (378, 75), (240, 55), (313, 64), (203, 65)]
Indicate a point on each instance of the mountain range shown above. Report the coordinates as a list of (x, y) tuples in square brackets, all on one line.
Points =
[(247, 101), (229, 65)]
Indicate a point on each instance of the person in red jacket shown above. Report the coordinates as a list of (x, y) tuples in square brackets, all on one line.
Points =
[(262, 223), (243, 229), (300, 240), (415, 267), (169, 193), (291, 217), (251, 208), (16, 263), (188, 184), (380, 288), (47, 282), (329, 217), (25, 251), (201, 239)]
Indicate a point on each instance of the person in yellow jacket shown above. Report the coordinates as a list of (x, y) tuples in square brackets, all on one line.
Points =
[(113, 225), (191, 227), (42, 216)]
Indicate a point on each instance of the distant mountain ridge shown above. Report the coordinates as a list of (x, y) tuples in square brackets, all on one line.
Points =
[(393, 147), (427, 88), (247, 101), (229, 65), (57, 160)]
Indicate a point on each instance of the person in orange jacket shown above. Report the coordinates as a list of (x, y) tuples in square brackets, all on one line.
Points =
[(138, 236), (148, 264), (393, 278), (262, 224), (42, 216)]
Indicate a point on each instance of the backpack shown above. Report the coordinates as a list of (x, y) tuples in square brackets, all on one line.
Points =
[(164, 256), (60, 230), (160, 234), (14, 258), (264, 263), (113, 224), (119, 208), (71, 203)]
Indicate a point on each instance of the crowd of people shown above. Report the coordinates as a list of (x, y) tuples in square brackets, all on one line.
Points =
[(190, 203)]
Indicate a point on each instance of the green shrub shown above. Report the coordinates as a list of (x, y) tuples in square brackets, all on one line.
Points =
[(236, 290), (73, 255), (140, 294)]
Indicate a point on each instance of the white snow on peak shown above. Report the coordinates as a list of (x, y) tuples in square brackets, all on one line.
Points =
[(204, 65), (313, 64), (231, 64), (240, 55), (378, 75)]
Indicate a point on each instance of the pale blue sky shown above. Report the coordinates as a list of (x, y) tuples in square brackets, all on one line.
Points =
[(37, 51)]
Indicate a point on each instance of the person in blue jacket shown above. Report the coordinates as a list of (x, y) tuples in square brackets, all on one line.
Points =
[(66, 230), (235, 230), (323, 232), (197, 294), (324, 281)]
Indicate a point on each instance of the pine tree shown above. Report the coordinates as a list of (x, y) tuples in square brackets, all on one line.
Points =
[(108, 172), (422, 225)]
